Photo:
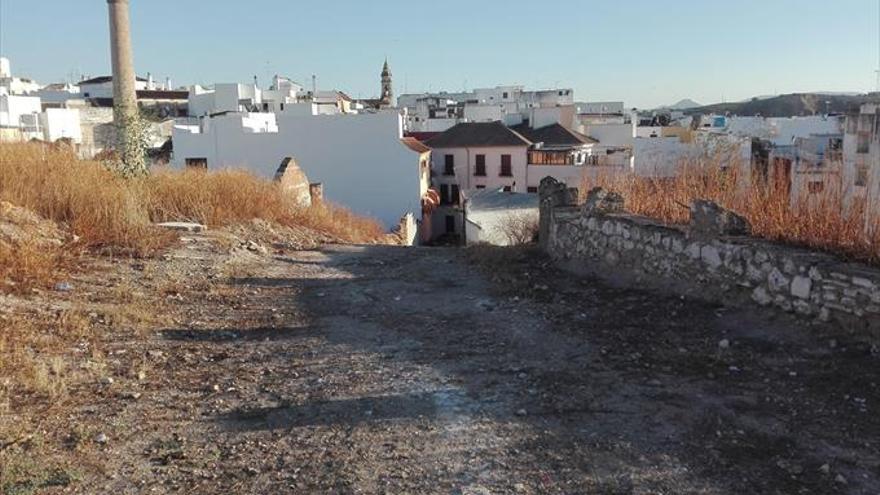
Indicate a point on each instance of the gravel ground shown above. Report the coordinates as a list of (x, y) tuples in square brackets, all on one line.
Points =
[(430, 370)]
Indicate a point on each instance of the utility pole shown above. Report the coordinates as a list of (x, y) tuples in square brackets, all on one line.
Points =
[(125, 107)]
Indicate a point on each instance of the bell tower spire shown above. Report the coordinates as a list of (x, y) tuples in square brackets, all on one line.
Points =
[(387, 98)]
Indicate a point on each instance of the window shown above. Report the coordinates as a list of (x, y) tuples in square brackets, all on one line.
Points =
[(481, 187), (449, 165), (197, 163), (504, 95), (265, 107), (86, 94), (444, 194), (480, 169), (455, 196), (816, 187), (282, 107), (450, 224), (506, 170), (533, 190), (862, 174), (862, 146)]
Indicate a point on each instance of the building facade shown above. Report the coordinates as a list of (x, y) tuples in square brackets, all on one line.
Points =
[(362, 160)]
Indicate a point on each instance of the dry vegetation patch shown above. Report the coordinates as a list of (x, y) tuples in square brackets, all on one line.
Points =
[(823, 221), (113, 214)]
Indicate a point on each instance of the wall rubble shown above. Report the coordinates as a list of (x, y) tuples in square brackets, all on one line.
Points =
[(733, 269)]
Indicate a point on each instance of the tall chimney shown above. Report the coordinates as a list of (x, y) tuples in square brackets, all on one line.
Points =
[(124, 96)]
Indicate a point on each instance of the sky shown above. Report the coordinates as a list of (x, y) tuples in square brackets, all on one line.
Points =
[(645, 53)]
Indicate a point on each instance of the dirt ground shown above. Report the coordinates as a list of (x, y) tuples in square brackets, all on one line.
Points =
[(383, 369)]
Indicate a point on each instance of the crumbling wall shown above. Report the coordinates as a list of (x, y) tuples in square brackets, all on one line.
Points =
[(713, 258)]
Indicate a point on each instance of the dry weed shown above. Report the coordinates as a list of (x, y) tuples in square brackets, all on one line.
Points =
[(822, 221)]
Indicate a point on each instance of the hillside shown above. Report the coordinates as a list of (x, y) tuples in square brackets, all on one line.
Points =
[(791, 105)]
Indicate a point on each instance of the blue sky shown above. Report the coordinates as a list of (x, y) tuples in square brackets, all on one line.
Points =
[(646, 53)]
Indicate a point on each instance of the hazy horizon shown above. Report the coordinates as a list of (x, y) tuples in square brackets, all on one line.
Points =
[(642, 53)]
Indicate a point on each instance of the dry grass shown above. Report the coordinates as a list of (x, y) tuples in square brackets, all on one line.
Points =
[(28, 266), (113, 214), (823, 222)]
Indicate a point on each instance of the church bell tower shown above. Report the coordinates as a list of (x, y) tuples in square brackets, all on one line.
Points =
[(387, 98)]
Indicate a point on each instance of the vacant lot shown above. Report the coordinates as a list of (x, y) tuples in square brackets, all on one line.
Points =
[(393, 370)]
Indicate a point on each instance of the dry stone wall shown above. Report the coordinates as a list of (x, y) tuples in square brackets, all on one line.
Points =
[(728, 268)]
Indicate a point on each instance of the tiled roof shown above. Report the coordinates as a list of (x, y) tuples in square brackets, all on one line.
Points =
[(553, 135), (414, 144), (478, 134)]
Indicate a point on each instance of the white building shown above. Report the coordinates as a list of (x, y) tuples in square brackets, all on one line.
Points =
[(861, 160), (58, 94), (284, 95), (437, 112), (15, 85), (102, 87), (475, 156), (13, 107), (361, 159), (22, 119), (61, 123)]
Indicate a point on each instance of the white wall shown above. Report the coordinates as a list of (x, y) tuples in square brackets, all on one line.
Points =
[(483, 113), (487, 226), (200, 101), (600, 107), (359, 158), (619, 135), (12, 107), (542, 117), (58, 123), (662, 157), (70, 92), (105, 89)]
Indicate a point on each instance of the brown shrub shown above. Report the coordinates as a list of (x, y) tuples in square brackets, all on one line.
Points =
[(94, 203), (114, 214), (26, 266), (824, 221)]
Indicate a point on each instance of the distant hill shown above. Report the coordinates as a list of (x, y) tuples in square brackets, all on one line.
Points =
[(792, 105), (685, 104)]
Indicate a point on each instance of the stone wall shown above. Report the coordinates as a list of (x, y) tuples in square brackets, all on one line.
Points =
[(732, 269)]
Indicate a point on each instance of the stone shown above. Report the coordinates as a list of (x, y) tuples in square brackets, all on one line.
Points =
[(724, 344), (183, 226), (801, 287), (63, 287), (600, 201), (710, 256), (101, 438), (777, 281), (840, 479), (294, 183), (709, 221), (761, 296)]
